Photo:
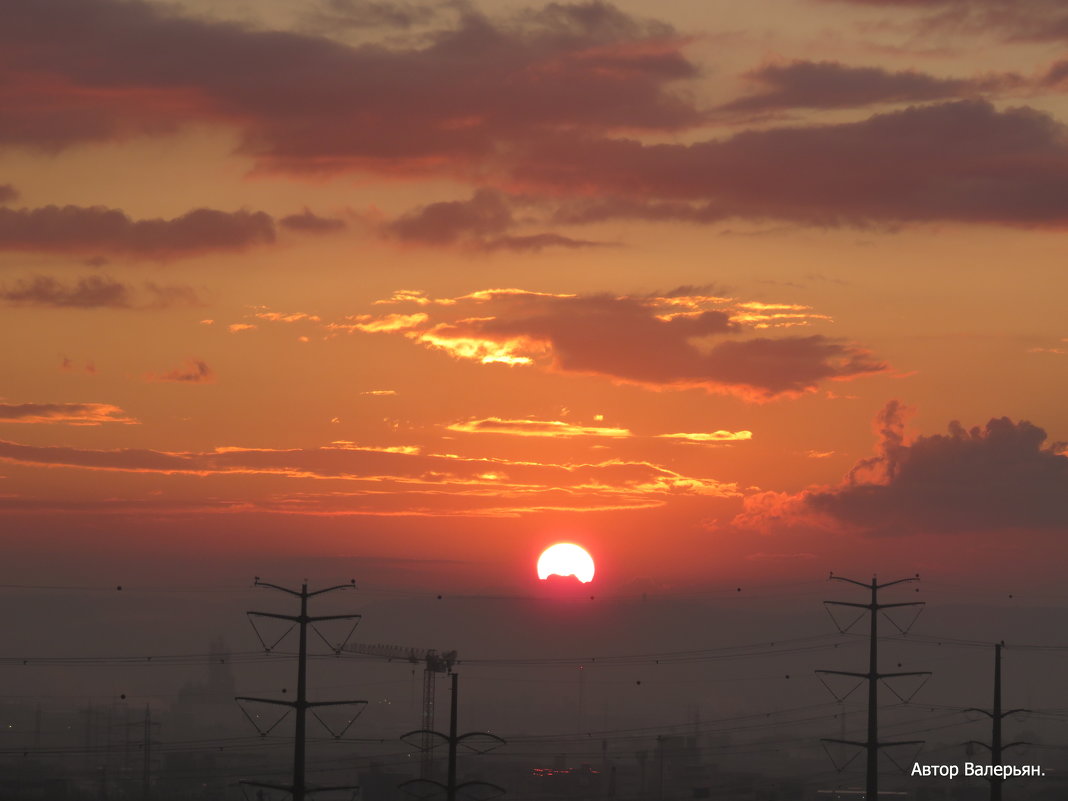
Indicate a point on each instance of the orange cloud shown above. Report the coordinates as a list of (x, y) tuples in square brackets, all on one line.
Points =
[(279, 317), (400, 479), (536, 428), (457, 341), (712, 436), (387, 323), (82, 414)]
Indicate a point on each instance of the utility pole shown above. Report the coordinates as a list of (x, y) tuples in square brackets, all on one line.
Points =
[(996, 716), (873, 676), (454, 740), (451, 792), (146, 752), (146, 768), (299, 788)]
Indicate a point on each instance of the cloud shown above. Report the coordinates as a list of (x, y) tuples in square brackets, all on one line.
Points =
[(535, 243), (237, 328), (962, 161), (998, 477), (312, 223), (81, 414), (536, 428), (333, 15), (1008, 20), (558, 428), (580, 211), (8, 193), (287, 317), (479, 223), (444, 223), (1057, 75), (829, 84), (711, 436), (386, 323), (80, 229), (392, 480), (91, 292), (554, 104), (310, 103), (660, 342), (194, 371), (94, 292)]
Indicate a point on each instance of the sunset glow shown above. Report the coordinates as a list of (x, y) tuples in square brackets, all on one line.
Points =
[(426, 281)]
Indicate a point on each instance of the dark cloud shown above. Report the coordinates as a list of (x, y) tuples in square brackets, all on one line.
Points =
[(486, 213), (661, 343), (194, 371), (88, 293), (1057, 75), (998, 477), (331, 16), (1011, 20), (311, 223), (594, 210), (83, 70), (8, 193), (961, 161), (534, 243), (538, 100), (71, 413), (74, 229), (480, 223), (829, 84), (95, 292)]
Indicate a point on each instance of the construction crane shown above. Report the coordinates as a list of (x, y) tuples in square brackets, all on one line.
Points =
[(434, 662)]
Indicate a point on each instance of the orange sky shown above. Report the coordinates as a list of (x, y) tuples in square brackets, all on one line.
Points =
[(701, 287)]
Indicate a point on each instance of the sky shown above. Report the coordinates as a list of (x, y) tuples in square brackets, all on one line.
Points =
[(402, 291)]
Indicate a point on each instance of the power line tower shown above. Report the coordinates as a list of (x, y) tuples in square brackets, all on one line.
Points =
[(299, 788), (996, 716), (872, 745), (434, 663), (424, 787)]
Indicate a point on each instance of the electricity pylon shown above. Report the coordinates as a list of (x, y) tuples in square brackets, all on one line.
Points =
[(425, 788), (873, 676), (299, 789), (996, 716)]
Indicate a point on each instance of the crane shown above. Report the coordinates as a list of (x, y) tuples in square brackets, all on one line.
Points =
[(434, 662)]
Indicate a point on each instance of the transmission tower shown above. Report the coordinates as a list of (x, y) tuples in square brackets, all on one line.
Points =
[(419, 787), (873, 676), (299, 788), (996, 716)]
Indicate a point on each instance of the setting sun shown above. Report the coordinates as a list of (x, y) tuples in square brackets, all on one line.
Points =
[(566, 559)]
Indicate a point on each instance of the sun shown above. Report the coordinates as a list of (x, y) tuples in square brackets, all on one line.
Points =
[(566, 559)]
